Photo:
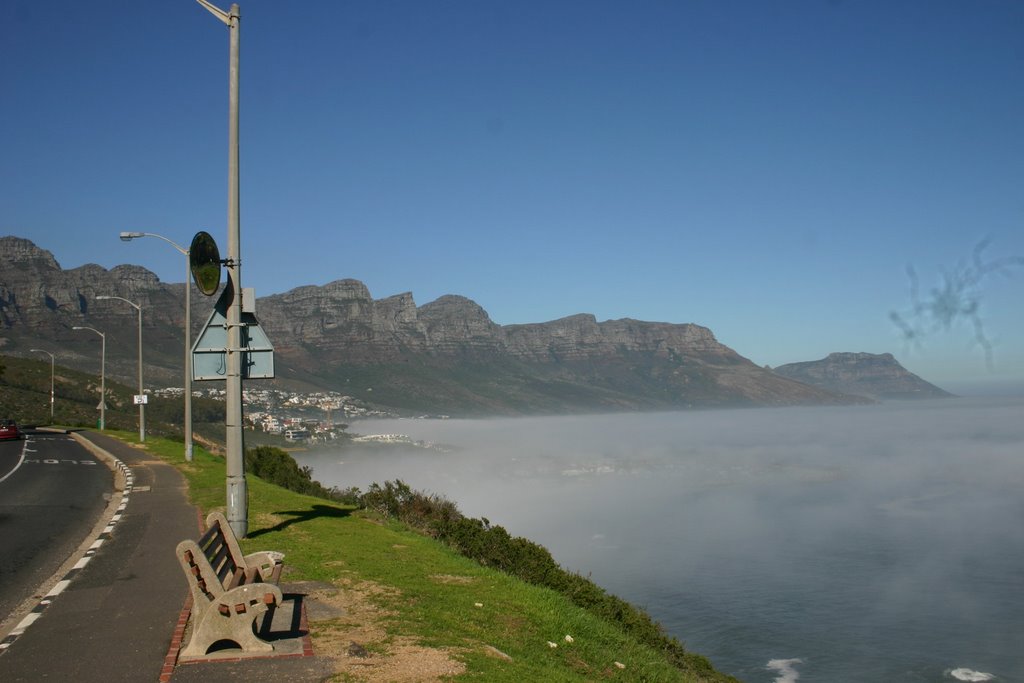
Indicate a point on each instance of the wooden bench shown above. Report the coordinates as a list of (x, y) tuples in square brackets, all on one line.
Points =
[(229, 590)]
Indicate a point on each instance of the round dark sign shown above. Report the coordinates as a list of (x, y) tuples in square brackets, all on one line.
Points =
[(204, 259)]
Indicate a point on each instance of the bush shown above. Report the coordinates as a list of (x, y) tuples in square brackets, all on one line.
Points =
[(421, 511), (278, 467)]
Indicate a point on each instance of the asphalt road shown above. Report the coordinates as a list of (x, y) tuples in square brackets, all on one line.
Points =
[(52, 491)]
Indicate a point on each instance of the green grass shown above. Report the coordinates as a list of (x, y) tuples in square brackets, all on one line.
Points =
[(426, 592)]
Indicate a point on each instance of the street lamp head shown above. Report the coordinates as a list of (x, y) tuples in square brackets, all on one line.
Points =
[(91, 329), (129, 236), (134, 305)]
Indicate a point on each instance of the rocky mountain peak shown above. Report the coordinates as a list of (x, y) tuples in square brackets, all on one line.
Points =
[(873, 375), (453, 306), (19, 250)]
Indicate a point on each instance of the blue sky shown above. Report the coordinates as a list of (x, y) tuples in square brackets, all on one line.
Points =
[(765, 169)]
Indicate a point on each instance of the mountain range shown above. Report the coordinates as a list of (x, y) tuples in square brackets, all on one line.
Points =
[(443, 357)]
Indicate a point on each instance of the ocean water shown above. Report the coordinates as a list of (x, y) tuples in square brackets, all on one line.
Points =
[(872, 543)]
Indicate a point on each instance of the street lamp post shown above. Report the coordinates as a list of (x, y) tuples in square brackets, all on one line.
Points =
[(103, 374), (142, 396), (234, 450), (52, 358), (129, 236)]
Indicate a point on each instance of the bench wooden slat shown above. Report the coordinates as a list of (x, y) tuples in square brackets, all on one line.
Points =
[(223, 563), (210, 534)]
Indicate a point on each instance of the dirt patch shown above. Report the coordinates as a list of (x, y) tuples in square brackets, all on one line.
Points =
[(358, 642), (404, 661), (453, 579)]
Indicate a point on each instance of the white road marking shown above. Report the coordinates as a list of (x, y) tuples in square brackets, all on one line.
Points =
[(21, 459)]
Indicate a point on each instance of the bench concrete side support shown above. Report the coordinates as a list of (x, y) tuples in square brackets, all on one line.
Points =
[(220, 614)]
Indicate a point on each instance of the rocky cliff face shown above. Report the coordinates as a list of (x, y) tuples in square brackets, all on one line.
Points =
[(456, 326), (581, 337), (876, 376), (342, 316), (445, 356), (40, 302)]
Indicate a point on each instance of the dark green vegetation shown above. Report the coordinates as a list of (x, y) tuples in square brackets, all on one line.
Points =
[(279, 468)]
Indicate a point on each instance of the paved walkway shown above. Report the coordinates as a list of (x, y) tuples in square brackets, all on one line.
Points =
[(121, 616)]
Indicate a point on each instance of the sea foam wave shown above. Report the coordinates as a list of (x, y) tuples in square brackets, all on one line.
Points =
[(787, 674), (965, 674)]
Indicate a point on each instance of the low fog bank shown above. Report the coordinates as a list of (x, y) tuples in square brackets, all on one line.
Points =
[(731, 526), (895, 456)]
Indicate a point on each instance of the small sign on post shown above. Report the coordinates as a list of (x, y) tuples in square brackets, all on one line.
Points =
[(141, 399)]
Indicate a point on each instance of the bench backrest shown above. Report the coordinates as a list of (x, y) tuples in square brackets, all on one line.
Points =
[(217, 548), (215, 563)]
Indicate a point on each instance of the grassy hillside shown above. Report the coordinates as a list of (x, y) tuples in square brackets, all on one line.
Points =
[(413, 602), (25, 397)]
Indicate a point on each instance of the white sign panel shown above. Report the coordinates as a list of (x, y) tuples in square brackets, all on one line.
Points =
[(209, 352)]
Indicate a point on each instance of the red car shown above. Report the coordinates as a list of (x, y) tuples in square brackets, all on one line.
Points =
[(9, 430)]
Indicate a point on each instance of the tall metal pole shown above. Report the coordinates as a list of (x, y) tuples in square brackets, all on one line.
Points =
[(52, 358), (142, 406), (238, 495), (103, 381), (103, 374), (51, 387), (141, 394), (237, 491), (188, 357), (129, 236)]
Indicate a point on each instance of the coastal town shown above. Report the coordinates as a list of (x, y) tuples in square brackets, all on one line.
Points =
[(312, 418)]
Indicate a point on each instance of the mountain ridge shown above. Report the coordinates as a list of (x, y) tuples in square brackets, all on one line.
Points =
[(445, 356)]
